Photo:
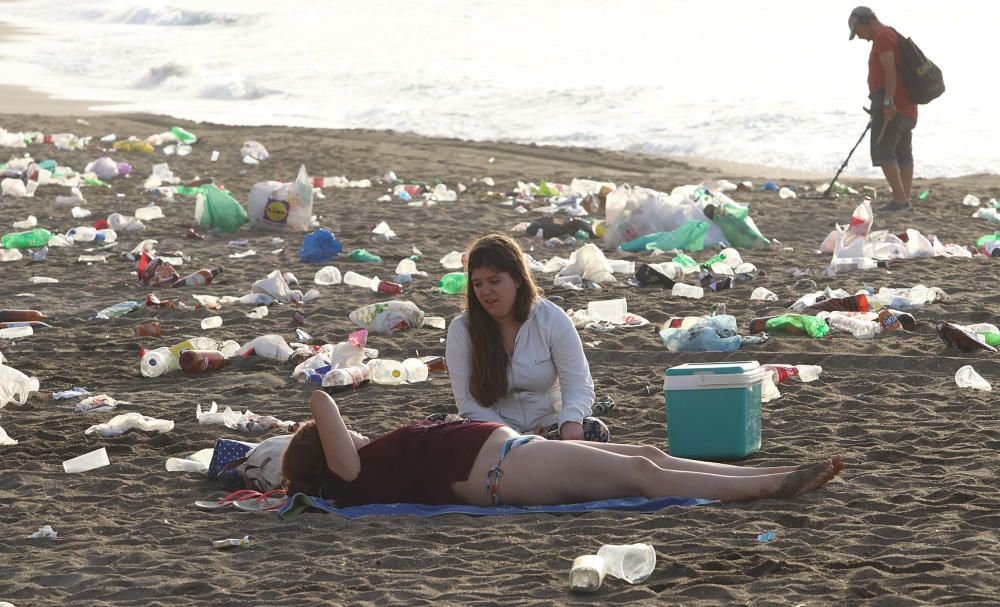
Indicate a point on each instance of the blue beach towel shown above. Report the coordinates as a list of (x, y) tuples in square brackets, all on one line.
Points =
[(301, 502)]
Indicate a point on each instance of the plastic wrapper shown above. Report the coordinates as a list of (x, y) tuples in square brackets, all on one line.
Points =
[(121, 424), (388, 317)]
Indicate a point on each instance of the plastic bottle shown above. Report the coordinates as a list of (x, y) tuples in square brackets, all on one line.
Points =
[(197, 361), (855, 303), (587, 573), (21, 316), (39, 237), (782, 373), (416, 370), (453, 282), (790, 324), (681, 289), (198, 279), (82, 234), (157, 362), (364, 255), (385, 371), (357, 280), (858, 327), (119, 309), (346, 378), (689, 265)]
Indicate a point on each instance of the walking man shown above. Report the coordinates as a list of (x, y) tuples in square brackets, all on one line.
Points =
[(893, 113)]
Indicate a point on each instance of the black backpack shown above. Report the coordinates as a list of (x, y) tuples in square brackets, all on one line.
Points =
[(921, 77)]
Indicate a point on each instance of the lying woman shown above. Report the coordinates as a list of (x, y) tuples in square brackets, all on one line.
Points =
[(489, 464)]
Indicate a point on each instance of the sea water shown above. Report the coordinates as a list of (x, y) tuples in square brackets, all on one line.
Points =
[(773, 83)]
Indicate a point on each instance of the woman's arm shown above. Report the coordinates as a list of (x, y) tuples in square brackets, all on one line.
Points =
[(575, 383), (458, 352), (338, 443)]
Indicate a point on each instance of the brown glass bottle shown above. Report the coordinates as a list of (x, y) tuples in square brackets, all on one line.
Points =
[(957, 337), (20, 315), (197, 361)]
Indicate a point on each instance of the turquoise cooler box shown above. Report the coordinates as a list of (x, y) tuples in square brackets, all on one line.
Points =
[(713, 409)]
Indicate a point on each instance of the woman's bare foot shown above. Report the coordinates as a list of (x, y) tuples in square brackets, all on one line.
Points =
[(810, 478)]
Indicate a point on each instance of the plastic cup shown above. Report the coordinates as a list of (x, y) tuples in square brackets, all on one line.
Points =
[(87, 461), (630, 562)]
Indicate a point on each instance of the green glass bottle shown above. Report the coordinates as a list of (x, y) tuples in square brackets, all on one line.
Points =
[(39, 237)]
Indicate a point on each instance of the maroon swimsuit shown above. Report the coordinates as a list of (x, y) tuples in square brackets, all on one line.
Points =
[(415, 464)]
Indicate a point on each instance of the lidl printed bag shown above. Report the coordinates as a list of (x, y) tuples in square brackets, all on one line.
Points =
[(282, 207)]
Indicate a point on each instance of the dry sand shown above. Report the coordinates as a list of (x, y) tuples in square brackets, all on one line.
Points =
[(912, 520)]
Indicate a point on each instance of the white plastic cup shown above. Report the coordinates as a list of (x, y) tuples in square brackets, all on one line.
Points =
[(630, 562), (328, 275), (587, 573), (87, 461), (681, 289), (966, 377), (416, 370), (212, 322)]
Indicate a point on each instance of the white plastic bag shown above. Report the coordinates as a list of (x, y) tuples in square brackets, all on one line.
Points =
[(15, 386), (121, 424), (283, 207), (388, 317)]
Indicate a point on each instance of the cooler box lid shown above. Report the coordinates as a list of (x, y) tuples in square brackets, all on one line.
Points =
[(696, 376)]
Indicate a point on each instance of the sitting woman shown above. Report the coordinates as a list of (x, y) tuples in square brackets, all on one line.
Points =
[(515, 358), (488, 464)]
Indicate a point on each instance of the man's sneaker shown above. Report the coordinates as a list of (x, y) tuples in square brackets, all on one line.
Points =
[(897, 206)]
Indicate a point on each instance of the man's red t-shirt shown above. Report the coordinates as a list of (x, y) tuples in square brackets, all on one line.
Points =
[(886, 39)]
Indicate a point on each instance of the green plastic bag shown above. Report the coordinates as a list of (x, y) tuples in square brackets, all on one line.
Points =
[(988, 238), (217, 209), (689, 237), (735, 223)]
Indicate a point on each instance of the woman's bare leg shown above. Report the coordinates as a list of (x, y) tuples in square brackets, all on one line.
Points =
[(557, 472), (670, 462)]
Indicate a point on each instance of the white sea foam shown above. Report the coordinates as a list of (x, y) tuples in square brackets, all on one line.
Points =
[(775, 83)]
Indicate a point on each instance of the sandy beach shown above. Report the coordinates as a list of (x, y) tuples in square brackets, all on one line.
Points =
[(912, 520)]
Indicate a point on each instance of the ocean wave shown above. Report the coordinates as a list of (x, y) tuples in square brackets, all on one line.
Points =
[(160, 74), (236, 90), (172, 17)]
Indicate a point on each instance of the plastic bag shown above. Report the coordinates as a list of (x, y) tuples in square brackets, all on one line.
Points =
[(15, 386), (735, 222), (689, 237), (284, 207), (154, 272), (320, 246), (216, 208), (121, 424), (589, 263), (388, 317)]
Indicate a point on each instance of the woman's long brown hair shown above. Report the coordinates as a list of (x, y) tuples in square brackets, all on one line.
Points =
[(303, 463), (500, 253)]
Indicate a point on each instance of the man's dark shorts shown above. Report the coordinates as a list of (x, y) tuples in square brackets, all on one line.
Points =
[(896, 143)]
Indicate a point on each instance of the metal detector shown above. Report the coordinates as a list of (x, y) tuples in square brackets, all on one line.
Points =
[(829, 189)]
